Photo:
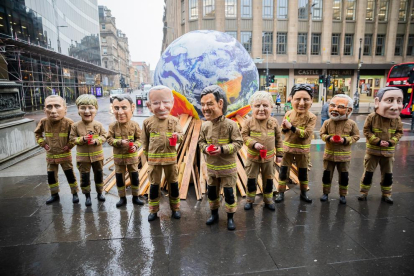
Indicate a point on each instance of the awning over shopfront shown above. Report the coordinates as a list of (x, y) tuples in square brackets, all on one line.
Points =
[(24, 47), (384, 66)]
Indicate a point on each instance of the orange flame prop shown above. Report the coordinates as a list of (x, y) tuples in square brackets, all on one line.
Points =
[(241, 111), (182, 106)]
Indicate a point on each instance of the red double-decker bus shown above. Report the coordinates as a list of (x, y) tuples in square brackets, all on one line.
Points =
[(398, 77)]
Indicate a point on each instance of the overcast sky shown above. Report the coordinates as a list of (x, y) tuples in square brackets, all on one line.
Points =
[(141, 21)]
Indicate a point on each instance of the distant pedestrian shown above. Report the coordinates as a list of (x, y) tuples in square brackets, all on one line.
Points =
[(325, 112)]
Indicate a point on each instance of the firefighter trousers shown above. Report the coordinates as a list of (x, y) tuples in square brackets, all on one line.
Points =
[(302, 161), (267, 171), (228, 184), (371, 162), (343, 176), (85, 169), (171, 175), (53, 180), (120, 171)]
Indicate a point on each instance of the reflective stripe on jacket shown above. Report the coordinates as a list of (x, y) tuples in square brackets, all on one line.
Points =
[(56, 135), (266, 132), (224, 133), (85, 152), (348, 130), (377, 129), (155, 139)]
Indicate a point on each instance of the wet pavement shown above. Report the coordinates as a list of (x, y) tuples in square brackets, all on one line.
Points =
[(359, 238)]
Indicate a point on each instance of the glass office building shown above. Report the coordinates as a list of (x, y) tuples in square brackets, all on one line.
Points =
[(51, 47)]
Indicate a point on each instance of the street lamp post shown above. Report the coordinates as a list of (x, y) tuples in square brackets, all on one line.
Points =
[(58, 37), (356, 97)]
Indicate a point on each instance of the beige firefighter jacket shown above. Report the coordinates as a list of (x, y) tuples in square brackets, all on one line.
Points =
[(57, 137), (377, 129), (85, 152), (126, 131), (266, 132), (224, 133), (348, 130), (299, 140), (155, 140)]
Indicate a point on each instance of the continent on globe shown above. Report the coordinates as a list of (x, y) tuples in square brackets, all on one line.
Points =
[(202, 58)]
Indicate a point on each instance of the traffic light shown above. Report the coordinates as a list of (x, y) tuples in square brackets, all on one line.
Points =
[(272, 78), (328, 81), (122, 82), (321, 79)]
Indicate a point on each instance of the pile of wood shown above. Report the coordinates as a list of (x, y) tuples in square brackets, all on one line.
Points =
[(192, 165)]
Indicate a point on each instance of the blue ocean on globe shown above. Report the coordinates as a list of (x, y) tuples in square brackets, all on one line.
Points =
[(202, 58)]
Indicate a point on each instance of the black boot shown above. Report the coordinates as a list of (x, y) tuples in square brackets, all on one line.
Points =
[(152, 216), (304, 197), (388, 199), (324, 197), (53, 198), (101, 197), (342, 200), (122, 201), (214, 217), (363, 197), (230, 222), (137, 201), (248, 206), (271, 207), (280, 197), (176, 214), (88, 201), (75, 198)]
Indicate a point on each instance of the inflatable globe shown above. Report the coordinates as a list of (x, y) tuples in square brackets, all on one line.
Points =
[(202, 58)]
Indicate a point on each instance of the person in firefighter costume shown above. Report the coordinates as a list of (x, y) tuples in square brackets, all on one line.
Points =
[(160, 133), (56, 128), (297, 126), (339, 133), (382, 129), (261, 134), (89, 135), (124, 136), (220, 140)]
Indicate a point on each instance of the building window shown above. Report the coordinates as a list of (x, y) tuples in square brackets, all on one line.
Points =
[(281, 43), (367, 44), (302, 41), (208, 8), (104, 50), (350, 10), (383, 10), (231, 8), (267, 43), (316, 44), (412, 15), (182, 12), (402, 11), (302, 9), (317, 10), (337, 9), (282, 9), (410, 48), (267, 12), (246, 40), (246, 8), (106, 64), (379, 50), (398, 45), (335, 44), (233, 34), (348, 46), (193, 9), (103, 26), (103, 40), (370, 10)]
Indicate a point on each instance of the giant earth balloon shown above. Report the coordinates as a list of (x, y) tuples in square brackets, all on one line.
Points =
[(202, 58)]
